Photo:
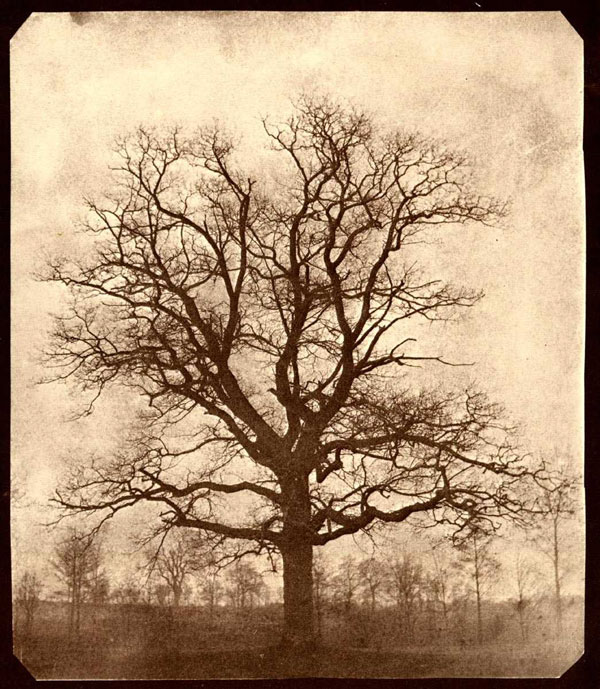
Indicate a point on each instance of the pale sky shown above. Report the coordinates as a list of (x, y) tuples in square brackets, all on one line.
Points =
[(505, 87)]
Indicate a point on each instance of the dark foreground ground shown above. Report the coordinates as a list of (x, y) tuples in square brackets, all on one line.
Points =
[(549, 661), (148, 644)]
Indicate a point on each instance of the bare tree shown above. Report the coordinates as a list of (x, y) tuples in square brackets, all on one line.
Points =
[(481, 569), (524, 583), (346, 583), (97, 589), (175, 561), (246, 585), (76, 562), (557, 505), (373, 576), (98, 586), (267, 317), (406, 585), (211, 587), (439, 583), (27, 601)]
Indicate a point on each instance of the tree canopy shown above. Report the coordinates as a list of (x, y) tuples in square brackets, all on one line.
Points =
[(265, 319)]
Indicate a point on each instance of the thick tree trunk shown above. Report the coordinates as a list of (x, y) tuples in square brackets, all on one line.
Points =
[(298, 623), (297, 555)]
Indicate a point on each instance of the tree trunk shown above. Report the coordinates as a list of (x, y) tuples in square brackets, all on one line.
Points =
[(298, 624), (297, 555)]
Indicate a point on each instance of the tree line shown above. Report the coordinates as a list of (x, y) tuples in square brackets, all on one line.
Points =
[(415, 596)]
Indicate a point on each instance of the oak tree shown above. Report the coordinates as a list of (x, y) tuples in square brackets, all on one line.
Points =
[(266, 314)]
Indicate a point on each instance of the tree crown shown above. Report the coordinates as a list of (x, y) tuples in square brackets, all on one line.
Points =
[(267, 320)]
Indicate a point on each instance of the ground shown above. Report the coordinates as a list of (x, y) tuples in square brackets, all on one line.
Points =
[(151, 644)]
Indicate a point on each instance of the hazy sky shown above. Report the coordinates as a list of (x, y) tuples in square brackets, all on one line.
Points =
[(505, 87)]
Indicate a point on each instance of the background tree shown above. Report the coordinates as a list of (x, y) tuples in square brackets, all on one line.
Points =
[(76, 562), (129, 593), (346, 584), (27, 600), (99, 586), (372, 574), (321, 588), (406, 586), (524, 585), (246, 585), (439, 582), (175, 561), (557, 506), (211, 588), (480, 568), (97, 590), (265, 316)]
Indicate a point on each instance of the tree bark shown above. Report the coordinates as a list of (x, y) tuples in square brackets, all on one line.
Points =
[(298, 623), (297, 555)]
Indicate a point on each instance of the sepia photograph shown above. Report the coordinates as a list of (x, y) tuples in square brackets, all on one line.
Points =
[(297, 343)]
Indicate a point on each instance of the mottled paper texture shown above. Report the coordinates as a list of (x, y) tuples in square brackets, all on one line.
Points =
[(505, 90)]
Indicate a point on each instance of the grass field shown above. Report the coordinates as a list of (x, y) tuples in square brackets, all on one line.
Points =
[(152, 644)]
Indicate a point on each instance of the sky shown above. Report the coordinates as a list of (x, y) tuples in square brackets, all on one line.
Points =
[(505, 87)]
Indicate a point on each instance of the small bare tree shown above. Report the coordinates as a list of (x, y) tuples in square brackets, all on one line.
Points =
[(211, 587), (406, 583), (27, 600), (524, 585), (373, 579), (346, 583), (557, 505), (76, 562), (440, 584), (480, 568), (246, 585), (321, 586), (175, 561)]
